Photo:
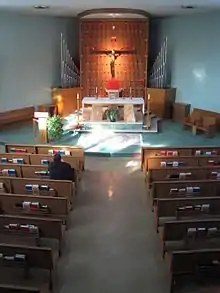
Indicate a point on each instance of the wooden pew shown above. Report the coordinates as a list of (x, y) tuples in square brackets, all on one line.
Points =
[(35, 171), (14, 158), (184, 188), (58, 207), (183, 173), (200, 264), (147, 152), (167, 209), (36, 257), (48, 228), (74, 151), (56, 187), (175, 162), (28, 171), (190, 234), (172, 174), (5, 185), (209, 161), (4, 288), (44, 159), (11, 170), (20, 148)]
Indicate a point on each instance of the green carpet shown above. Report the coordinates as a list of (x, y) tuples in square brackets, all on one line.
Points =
[(113, 144)]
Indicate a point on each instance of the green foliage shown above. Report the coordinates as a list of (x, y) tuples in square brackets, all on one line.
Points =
[(54, 127), (112, 114)]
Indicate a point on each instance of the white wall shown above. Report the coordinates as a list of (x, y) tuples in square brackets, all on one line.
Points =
[(194, 57), (30, 57)]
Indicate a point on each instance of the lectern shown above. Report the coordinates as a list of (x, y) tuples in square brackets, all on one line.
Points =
[(40, 122)]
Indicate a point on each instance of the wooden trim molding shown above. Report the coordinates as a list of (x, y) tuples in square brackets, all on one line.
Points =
[(121, 11), (16, 115)]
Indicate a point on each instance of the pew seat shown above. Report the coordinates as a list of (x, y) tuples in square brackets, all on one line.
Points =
[(58, 206), (166, 209), (190, 234), (202, 265), (39, 261), (48, 229)]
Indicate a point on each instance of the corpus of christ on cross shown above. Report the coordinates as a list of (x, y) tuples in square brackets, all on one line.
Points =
[(113, 54)]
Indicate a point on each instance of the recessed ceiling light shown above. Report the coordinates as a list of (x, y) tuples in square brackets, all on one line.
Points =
[(41, 6), (188, 7), (114, 15)]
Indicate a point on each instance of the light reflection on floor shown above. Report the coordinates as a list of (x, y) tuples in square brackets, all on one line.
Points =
[(107, 141)]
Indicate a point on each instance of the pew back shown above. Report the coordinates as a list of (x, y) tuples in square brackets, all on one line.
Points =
[(183, 173), (12, 157), (32, 171), (166, 189), (13, 167), (48, 227), (37, 257), (186, 262), (58, 206), (62, 188), (167, 207), (178, 230), (20, 148), (147, 152), (160, 162), (165, 174), (37, 159), (74, 151)]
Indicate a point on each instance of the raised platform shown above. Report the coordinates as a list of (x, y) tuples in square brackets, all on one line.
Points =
[(121, 126), (116, 127)]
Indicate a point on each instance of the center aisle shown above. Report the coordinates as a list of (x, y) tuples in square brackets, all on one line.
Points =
[(112, 246)]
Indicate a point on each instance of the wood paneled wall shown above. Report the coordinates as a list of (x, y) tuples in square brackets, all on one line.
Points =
[(129, 68), (66, 100)]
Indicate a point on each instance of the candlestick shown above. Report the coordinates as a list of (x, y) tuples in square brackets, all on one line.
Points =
[(96, 92), (130, 91), (77, 105), (148, 122)]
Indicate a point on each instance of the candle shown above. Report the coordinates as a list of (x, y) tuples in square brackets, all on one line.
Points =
[(96, 90), (77, 96), (130, 91), (148, 97)]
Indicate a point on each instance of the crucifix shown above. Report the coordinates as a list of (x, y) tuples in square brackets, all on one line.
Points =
[(113, 54)]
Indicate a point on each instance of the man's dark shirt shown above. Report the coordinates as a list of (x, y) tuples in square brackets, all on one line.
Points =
[(61, 171)]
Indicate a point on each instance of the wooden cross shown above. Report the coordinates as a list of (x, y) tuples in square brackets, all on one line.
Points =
[(113, 54)]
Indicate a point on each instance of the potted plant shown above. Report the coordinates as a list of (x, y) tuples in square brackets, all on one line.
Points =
[(112, 114), (54, 127)]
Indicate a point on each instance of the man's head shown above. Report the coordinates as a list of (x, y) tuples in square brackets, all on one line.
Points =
[(57, 158)]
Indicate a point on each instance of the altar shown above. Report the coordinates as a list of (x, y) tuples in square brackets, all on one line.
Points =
[(130, 110)]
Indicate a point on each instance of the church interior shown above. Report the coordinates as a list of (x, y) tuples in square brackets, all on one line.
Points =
[(128, 97)]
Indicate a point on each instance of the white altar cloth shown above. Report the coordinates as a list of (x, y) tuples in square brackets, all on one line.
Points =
[(99, 104), (115, 101)]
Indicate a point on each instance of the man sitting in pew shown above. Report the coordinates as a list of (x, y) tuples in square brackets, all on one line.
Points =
[(60, 170)]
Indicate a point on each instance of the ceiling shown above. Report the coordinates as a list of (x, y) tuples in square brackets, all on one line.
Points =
[(72, 8)]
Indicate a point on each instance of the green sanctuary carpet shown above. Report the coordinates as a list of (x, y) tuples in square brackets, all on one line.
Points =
[(104, 142)]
